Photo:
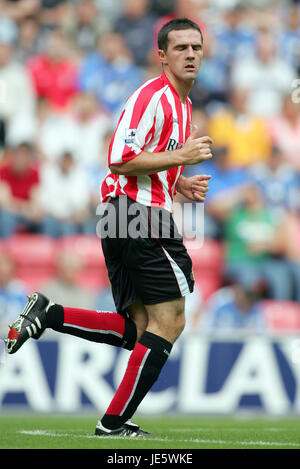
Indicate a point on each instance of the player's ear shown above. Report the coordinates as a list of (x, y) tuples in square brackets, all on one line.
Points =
[(162, 57)]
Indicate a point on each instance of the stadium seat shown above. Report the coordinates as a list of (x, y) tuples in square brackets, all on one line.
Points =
[(34, 257), (281, 315), (32, 251), (94, 280), (34, 279), (208, 255), (208, 284), (207, 264), (88, 246)]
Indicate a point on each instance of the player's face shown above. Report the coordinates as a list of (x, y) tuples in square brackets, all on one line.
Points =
[(184, 54)]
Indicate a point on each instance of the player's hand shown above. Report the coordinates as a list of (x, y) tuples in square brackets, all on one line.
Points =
[(194, 188), (196, 149)]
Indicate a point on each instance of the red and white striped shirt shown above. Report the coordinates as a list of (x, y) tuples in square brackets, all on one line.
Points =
[(154, 120)]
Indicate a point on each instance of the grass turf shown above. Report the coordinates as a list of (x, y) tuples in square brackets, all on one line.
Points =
[(76, 432)]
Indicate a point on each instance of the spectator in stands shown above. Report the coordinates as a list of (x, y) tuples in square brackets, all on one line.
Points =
[(54, 72), (109, 10), (20, 179), (267, 77), (278, 182), (226, 190), (17, 100), (87, 25), (253, 245), (90, 124), (160, 8), (110, 73), (153, 67), (54, 134), (289, 36), (242, 132), (65, 288), (235, 37), (235, 307), (17, 10), (80, 130), (12, 291), (284, 129), (290, 239), (29, 40), (65, 198), (136, 25), (55, 14)]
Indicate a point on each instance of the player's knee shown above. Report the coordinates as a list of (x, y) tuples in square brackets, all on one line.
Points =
[(175, 326)]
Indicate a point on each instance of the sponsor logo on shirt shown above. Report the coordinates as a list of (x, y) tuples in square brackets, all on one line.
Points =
[(129, 136), (173, 145)]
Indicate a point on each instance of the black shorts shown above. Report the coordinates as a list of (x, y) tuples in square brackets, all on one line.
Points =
[(144, 254)]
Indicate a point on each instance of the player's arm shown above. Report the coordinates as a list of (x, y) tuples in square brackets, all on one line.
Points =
[(148, 163), (195, 150)]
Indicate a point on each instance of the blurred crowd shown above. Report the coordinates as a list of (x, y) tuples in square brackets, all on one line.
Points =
[(66, 70)]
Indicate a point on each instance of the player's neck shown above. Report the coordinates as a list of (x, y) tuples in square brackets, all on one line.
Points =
[(182, 87)]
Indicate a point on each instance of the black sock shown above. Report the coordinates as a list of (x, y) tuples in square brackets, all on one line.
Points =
[(145, 364), (55, 317)]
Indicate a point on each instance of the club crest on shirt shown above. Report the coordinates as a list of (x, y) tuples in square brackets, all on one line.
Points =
[(129, 136)]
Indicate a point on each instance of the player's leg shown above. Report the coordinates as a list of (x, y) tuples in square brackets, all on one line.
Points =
[(166, 322), (111, 328), (167, 319), (161, 271)]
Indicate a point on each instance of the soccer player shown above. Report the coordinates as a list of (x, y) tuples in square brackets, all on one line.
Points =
[(150, 275)]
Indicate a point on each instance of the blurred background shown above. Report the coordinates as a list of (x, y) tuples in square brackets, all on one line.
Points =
[(66, 70)]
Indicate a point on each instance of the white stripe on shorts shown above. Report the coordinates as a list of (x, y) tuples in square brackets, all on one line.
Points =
[(180, 277)]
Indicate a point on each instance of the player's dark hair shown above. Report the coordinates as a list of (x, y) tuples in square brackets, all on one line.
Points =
[(176, 24)]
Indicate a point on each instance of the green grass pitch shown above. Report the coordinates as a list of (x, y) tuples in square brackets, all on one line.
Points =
[(76, 432)]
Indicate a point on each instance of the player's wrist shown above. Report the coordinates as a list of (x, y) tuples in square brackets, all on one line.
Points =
[(180, 183), (179, 156)]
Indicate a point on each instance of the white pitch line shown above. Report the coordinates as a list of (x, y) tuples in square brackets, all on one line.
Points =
[(205, 429), (46, 433), (191, 440)]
